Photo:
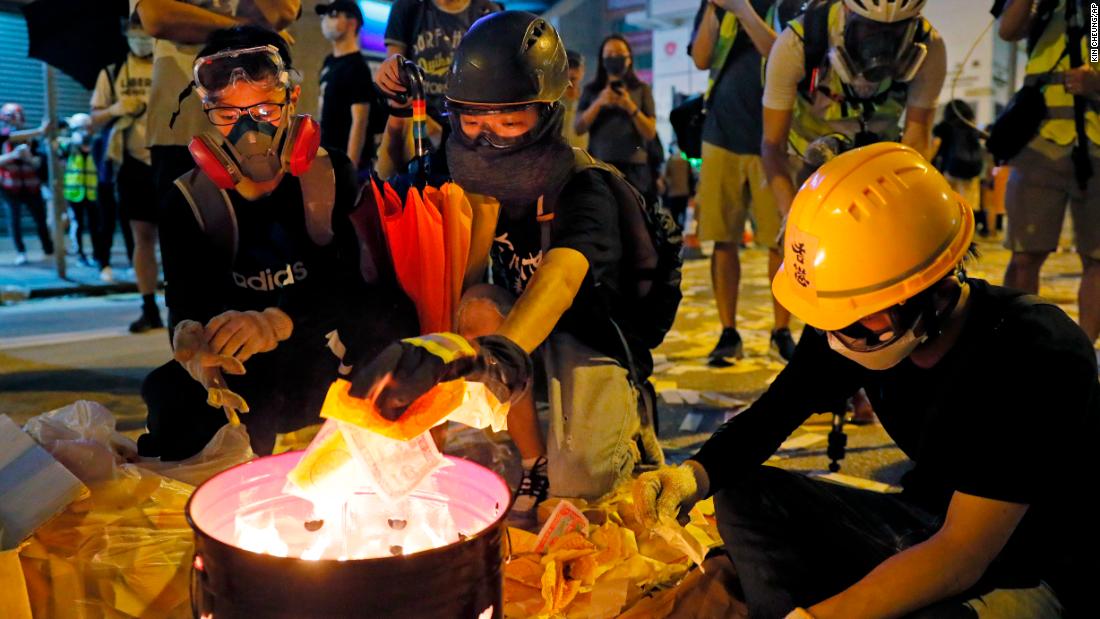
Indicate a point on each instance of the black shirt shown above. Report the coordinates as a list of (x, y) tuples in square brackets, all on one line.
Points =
[(345, 81), (586, 219), (613, 136), (1005, 415), (430, 36), (276, 265)]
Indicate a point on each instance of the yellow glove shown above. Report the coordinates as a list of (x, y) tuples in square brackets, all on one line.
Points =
[(670, 491), (193, 353)]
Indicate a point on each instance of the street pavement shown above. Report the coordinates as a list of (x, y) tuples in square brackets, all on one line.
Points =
[(55, 351)]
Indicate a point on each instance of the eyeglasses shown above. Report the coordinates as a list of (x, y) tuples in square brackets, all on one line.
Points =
[(260, 112)]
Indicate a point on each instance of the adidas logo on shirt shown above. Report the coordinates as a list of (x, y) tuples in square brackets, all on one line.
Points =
[(266, 281)]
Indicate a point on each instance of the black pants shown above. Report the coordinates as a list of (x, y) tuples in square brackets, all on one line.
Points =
[(33, 201), (677, 207), (85, 215), (796, 541), (284, 390), (103, 237)]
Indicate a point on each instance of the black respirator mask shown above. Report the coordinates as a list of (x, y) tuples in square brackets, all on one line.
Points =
[(874, 52), (515, 170)]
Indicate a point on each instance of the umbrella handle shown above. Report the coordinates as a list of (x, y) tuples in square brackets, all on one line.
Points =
[(422, 146)]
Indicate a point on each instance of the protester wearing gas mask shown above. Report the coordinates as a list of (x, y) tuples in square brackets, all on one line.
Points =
[(617, 111), (851, 68), (993, 519), (262, 260), (564, 278)]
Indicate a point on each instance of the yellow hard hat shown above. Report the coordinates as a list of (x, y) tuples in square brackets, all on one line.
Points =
[(870, 229)]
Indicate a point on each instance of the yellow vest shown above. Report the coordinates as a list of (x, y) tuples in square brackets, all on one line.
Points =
[(80, 177), (823, 116), (1045, 66)]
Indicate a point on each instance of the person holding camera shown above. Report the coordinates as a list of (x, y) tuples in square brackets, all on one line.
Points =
[(618, 112), (1060, 162)]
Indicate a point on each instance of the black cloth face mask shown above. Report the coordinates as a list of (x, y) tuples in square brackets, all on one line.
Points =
[(515, 175)]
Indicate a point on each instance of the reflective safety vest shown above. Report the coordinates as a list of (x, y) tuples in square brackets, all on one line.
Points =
[(824, 106), (1046, 67), (81, 177)]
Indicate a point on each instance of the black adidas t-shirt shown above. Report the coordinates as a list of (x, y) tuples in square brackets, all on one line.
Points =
[(276, 264), (1006, 415)]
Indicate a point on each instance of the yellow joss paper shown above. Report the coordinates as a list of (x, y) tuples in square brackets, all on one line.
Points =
[(423, 414)]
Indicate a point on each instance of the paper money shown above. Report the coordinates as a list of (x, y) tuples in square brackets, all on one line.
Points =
[(564, 519), (394, 467)]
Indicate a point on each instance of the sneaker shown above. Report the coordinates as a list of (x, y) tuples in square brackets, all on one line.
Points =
[(20, 259), (729, 345), (782, 343), (106, 275), (147, 322), (533, 489)]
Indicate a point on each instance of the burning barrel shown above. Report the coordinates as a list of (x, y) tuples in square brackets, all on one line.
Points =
[(261, 552)]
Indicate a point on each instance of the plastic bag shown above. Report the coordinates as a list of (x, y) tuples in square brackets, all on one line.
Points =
[(125, 551)]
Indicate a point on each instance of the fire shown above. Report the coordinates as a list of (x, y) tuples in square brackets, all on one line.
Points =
[(365, 527)]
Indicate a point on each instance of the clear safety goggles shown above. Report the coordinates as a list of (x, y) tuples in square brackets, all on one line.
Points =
[(877, 51), (261, 66), (457, 111), (900, 320)]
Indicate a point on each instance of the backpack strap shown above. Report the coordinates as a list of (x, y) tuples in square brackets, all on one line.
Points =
[(815, 43), (213, 210), (318, 184)]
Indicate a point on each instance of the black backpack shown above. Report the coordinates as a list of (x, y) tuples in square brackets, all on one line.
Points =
[(964, 159), (651, 252)]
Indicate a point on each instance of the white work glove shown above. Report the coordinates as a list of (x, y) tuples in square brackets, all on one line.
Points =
[(194, 354), (670, 491), (243, 334)]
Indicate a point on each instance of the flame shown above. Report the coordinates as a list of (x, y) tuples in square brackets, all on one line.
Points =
[(261, 538)]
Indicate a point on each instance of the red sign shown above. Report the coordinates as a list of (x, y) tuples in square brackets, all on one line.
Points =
[(670, 48)]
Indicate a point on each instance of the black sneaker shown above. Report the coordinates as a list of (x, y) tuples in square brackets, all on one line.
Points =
[(147, 322), (533, 489), (729, 345), (783, 344)]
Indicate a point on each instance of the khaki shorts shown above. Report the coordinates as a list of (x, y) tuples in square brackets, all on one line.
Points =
[(1035, 202), (729, 184)]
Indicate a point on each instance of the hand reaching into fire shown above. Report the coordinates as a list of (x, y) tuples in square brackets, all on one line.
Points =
[(408, 369), (193, 352)]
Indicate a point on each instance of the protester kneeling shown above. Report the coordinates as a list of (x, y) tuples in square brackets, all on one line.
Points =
[(261, 260), (561, 234), (993, 518)]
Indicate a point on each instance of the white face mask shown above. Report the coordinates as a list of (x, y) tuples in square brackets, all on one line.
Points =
[(141, 45), (882, 358)]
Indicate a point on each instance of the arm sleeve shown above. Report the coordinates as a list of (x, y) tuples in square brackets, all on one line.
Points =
[(925, 88), (190, 264), (1031, 429), (815, 379), (362, 87), (786, 68), (101, 96), (587, 220), (399, 24)]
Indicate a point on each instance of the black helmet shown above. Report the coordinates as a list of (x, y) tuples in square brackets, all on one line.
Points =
[(508, 58)]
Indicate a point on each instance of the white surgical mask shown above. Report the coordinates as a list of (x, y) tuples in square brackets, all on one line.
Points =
[(141, 45), (884, 357)]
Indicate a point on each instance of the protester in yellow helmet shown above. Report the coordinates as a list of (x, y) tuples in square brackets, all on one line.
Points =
[(1061, 163), (992, 516)]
